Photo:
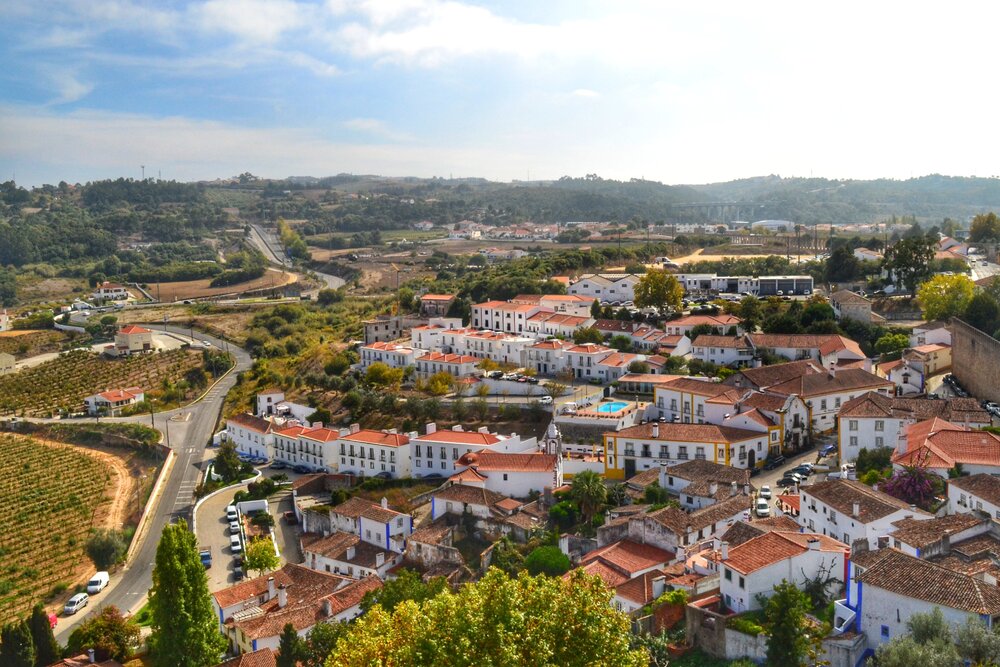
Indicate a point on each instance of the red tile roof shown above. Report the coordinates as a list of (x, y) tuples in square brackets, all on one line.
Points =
[(449, 358), (382, 438), (982, 486), (720, 320), (252, 422), (776, 546), (264, 657), (321, 434), (940, 444), (820, 384), (461, 437), (628, 557), (133, 329), (688, 433), (640, 589), (695, 386), (487, 461), (437, 297)]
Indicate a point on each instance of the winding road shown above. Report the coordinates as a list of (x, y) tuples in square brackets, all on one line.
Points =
[(188, 430), (266, 242)]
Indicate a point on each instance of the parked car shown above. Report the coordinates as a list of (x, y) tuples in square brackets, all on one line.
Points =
[(765, 492), (234, 544), (205, 553), (237, 573), (803, 470), (827, 450), (301, 469), (98, 582), (234, 527), (774, 462), (278, 465), (761, 508), (76, 603), (231, 513), (790, 479), (545, 400), (290, 516)]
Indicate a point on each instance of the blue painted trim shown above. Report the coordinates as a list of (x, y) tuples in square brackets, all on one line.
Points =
[(857, 612), (433, 514), (254, 645), (850, 579), (387, 537), (918, 553)]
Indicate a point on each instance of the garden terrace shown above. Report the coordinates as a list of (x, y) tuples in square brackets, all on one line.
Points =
[(51, 497)]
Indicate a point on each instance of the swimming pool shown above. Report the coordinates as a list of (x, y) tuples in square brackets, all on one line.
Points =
[(613, 406)]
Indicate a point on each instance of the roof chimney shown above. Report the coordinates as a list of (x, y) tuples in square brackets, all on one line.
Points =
[(350, 552), (270, 588), (659, 586), (833, 368), (385, 503), (327, 608), (724, 549), (733, 488), (355, 427), (282, 597), (90, 655), (813, 543), (746, 489), (856, 509), (656, 430), (483, 429), (317, 424), (379, 559), (431, 428), (713, 488), (457, 427)]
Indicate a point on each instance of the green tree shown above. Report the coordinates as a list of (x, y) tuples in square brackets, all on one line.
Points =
[(890, 343), (977, 642), (587, 335), (46, 647), (227, 462), (109, 632), (381, 375), (788, 644), (750, 312), (548, 560), (506, 557), (985, 227), (700, 330), (513, 622), (589, 493), (185, 628), (595, 309), (408, 585), (842, 266), (983, 312), (621, 343), (16, 647), (321, 642), (658, 289), (260, 556), (908, 261), (928, 644), (106, 547), (943, 296), (440, 383), (290, 648)]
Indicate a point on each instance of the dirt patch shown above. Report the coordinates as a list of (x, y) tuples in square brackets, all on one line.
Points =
[(32, 289), (17, 333), (199, 289), (30, 342)]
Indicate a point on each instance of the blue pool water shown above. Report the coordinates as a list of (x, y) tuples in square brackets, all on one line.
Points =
[(614, 406)]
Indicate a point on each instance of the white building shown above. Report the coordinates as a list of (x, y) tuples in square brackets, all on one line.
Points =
[(699, 483), (940, 446), (606, 287), (131, 339), (885, 588), (503, 316), (109, 403), (545, 323), (375, 523), (547, 357), (583, 359), (750, 571), (514, 475), (373, 453), (928, 333), (5, 321), (108, 291), (722, 323), (849, 511), (393, 355), (428, 336), (825, 349), (723, 350), (980, 493), (436, 452), (826, 392), (346, 554), (458, 499), (685, 398), (456, 365)]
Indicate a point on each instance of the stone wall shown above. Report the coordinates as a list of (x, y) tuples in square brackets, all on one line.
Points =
[(975, 360)]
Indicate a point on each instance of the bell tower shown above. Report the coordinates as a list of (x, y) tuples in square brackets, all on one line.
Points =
[(553, 440)]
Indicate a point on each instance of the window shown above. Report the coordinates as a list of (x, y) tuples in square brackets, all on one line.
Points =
[(742, 583), (885, 632), (836, 402), (505, 477), (879, 425), (822, 404), (853, 425), (854, 441), (879, 441), (689, 500), (729, 574)]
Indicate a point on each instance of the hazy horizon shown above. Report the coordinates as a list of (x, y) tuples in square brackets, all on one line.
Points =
[(503, 91)]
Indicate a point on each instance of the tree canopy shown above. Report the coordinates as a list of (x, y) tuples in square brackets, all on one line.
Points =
[(944, 296), (908, 260), (658, 289)]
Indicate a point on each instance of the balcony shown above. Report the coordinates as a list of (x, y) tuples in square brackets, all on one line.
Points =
[(683, 456), (700, 457), (629, 452), (843, 617)]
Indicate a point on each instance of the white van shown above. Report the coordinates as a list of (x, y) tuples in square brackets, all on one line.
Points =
[(234, 544), (76, 603), (98, 582)]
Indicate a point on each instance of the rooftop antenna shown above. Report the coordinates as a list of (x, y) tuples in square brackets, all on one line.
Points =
[(143, 167)]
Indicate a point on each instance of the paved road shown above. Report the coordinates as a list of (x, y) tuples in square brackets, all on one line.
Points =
[(189, 431), (268, 244)]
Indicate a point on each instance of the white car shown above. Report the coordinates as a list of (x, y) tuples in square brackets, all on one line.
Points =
[(762, 508), (231, 514), (234, 544), (545, 400), (765, 492), (234, 527), (98, 582), (76, 603)]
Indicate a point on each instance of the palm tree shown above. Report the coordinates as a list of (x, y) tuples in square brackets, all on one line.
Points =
[(589, 492)]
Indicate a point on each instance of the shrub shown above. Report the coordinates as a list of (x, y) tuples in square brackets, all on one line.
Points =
[(106, 547)]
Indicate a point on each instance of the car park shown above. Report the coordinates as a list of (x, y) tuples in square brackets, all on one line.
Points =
[(98, 582), (765, 492), (761, 508), (790, 479), (76, 603)]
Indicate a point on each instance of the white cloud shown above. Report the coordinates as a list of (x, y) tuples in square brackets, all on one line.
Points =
[(374, 127), (67, 86), (257, 21), (585, 92)]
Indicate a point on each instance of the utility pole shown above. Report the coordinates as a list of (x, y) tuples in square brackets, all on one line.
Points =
[(143, 167)]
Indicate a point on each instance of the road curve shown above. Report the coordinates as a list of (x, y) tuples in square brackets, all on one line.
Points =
[(189, 439)]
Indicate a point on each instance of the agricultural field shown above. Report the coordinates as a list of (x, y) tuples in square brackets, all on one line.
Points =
[(63, 383), (200, 289), (29, 342), (53, 496)]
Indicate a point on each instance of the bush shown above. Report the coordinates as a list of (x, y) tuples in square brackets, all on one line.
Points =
[(548, 560), (746, 625), (106, 547)]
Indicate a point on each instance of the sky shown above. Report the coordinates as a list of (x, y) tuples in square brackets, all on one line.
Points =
[(678, 92)]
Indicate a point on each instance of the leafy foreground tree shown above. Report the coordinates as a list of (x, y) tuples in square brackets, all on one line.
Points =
[(291, 648), (321, 642), (659, 289), (408, 585), (16, 649), (185, 629), (547, 560), (108, 633), (260, 556), (943, 296), (789, 644), (46, 647), (499, 621), (932, 643)]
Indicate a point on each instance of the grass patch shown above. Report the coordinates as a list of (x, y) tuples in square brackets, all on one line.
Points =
[(144, 617)]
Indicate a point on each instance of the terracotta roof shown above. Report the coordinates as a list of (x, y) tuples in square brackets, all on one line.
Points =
[(873, 404), (461, 437), (920, 534), (297, 578), (437, 297), (640, 589), (291, 431), (819, 384), (649, 378), (321, 434), (869, 404), (708, 340), (470, 495), (336, 545), (449, 358), (983, 486), (133, 329), (695, 386), (841, 494), (846, 296), (357, 507), (677, 432), (435, 532), (628, 557), (252, 422), (940, 444), (306, 612), (679, 521), (775, 546), (930, 347), (831, 342), (264, 657), (760, 401), (468, 476), (720, 320), (742, 531), (552, 344), (611, 577), (793, 500), (118, 395), (912, 577), (83, 660), (589, 348), (620, 326), (388, 346), (645, 478), (486, 461), (767, 376), (699, 470), (382, 438), (618, 359)]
